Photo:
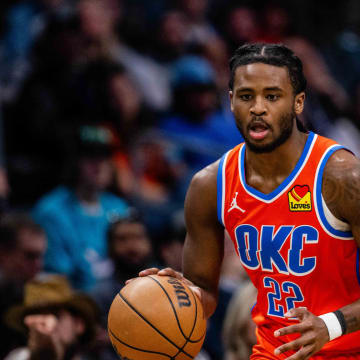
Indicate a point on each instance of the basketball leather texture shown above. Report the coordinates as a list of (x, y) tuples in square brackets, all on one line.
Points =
[(156, 318)]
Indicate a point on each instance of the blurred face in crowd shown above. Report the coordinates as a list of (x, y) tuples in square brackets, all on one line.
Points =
[(277, 20), (173, 30), (195, 9), (130, 246), (171, 254), (264, 105), (98, 17), (200, 103), (242, 24), (95, 172), (124, 96), (26, 260)]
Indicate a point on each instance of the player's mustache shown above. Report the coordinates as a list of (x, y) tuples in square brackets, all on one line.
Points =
[(258, 121)]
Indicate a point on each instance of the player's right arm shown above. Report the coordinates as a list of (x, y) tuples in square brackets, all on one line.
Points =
[(204, 243)]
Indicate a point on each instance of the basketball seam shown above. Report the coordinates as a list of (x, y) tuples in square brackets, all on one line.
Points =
[(175, 313), (135, 348), (195, 341), (192, 330), (157, 330)]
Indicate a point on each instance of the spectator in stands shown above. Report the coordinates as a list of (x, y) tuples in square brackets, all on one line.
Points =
[(170, 41), (196, 126), (60, 324), (98, 22), (76, 215), (277, 29), (25, 23), (170, 248), (239, 328), (22, 248), (241, 26), (199, 29), (130, 250)]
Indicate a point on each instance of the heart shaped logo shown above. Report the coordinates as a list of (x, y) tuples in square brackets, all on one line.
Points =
[(299, 191)]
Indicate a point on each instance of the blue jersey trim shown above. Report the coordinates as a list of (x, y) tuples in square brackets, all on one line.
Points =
[(328, 227), (252, 308), (220, 193), (286, 182)]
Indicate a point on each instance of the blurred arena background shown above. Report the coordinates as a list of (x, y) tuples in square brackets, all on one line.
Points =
[(109, 107)]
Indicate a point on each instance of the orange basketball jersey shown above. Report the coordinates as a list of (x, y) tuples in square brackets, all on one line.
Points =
[(292, 247)]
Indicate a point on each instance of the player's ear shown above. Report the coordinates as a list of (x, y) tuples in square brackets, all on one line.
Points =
[(231, 100), (299, 103)]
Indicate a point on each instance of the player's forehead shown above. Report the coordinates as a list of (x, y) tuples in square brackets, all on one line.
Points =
[(261, 76)]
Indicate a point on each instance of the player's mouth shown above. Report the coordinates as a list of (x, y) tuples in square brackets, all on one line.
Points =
[(258, 130)]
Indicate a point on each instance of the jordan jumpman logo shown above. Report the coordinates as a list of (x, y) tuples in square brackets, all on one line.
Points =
[(234, 204)]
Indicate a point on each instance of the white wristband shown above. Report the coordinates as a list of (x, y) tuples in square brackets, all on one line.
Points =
[(333, 325)]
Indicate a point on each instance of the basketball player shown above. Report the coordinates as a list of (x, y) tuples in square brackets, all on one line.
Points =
[(290, 201)]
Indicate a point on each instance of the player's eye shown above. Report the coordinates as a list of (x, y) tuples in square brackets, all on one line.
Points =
[(245, 97), (272, 97)]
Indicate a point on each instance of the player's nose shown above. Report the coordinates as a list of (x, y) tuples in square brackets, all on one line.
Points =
[(258, 107)]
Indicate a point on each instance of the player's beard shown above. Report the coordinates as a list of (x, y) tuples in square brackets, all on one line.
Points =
[(286, 125)]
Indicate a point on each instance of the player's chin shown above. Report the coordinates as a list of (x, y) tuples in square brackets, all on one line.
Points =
[(260, 146)]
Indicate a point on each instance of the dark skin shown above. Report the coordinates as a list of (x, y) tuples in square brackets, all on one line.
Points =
[(265, 91)]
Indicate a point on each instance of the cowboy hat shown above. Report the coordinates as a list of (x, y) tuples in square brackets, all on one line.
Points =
[(49, 294)]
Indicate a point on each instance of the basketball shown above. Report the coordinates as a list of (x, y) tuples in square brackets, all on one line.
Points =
[(156, 318)]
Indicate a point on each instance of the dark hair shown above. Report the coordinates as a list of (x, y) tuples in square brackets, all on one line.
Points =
[(11, 225), (133, 216), (271, 54)]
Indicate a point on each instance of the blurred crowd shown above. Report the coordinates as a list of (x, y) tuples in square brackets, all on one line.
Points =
[(107, 109)]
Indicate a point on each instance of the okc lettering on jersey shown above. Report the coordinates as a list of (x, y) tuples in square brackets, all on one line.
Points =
[(264, 250)]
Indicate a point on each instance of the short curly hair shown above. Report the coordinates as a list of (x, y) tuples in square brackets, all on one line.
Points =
[(271, 54)]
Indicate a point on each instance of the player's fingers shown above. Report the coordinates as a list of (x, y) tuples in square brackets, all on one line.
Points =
[(171, 272), (150, 271), (299, 313), (296, 328), (304, 353), (128, 281), (292, 345), (143, 273)]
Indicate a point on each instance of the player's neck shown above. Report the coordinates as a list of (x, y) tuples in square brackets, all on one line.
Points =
[(273, 167)]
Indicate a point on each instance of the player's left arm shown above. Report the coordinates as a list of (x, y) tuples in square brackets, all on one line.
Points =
[(341, 192)]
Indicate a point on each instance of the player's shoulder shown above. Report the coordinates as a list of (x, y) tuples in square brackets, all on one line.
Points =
[(206, 178), (202, 192), (342, 166), (341, 185)]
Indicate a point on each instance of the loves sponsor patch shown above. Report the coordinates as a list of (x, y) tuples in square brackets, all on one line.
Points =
[(300, 198)]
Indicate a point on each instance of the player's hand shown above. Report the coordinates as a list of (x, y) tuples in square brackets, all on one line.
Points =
[(313, 334), (170, 272)]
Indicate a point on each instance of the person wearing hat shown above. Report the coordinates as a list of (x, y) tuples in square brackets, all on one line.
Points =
[(76, 214), (60, 323), (22, 249)]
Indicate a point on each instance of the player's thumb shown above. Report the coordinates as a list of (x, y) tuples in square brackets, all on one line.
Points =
[(197, 291)]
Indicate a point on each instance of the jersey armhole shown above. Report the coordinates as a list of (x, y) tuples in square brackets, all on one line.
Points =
[(332, 225)]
